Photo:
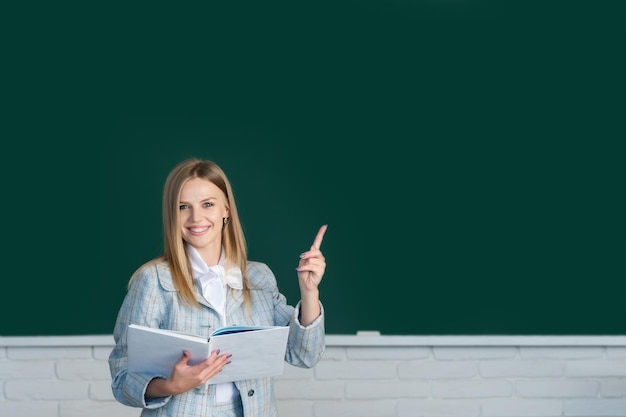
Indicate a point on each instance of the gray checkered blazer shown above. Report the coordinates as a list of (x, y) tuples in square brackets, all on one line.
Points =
[(152, 301)]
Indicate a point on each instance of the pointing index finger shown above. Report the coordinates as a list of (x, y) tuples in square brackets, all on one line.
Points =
[(320, 235)]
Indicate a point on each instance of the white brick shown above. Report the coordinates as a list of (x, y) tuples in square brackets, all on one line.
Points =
[(356, 381), (96, 409), (294, 372), (362, 408), (295, 408), (561, 352), (522, 408), (520, 368), (101, 390), (386, 389), (83, 369), (398, 353), (22, 370), (596, 368), (460, 352), (28, 389), (473, 388), (438, 370), (356, 370), (29, 409), (438, 408), (615, 352), (38, 353), (595, 407), (308, 390), (101, 353), (613, 387), (336, 353), (557, 388)]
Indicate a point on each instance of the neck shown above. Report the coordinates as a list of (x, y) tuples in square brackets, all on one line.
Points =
[(210, 255)]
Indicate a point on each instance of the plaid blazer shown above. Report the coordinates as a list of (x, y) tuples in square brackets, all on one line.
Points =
[(152, 301)]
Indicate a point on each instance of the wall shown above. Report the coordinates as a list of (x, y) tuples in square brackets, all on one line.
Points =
[(364, 376)]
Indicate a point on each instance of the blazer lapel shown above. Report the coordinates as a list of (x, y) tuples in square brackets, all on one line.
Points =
[(234, 299)]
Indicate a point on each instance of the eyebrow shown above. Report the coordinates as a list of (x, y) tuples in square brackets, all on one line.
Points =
[(202, 201)]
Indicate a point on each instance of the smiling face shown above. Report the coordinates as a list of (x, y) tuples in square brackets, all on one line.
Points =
[(203, 208)]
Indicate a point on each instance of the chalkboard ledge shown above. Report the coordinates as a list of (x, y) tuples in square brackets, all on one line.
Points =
[(368, 339), (478, 340)]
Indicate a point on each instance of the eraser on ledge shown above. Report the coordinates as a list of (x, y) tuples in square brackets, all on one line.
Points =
[(368, 333)]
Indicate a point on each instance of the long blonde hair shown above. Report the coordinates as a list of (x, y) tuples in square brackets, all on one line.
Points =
[(233, 239)]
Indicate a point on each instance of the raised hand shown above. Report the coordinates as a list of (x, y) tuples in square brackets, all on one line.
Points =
[(312, 264)]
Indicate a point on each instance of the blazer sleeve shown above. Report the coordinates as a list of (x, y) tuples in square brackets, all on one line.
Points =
[(305, 345), (143, 304)]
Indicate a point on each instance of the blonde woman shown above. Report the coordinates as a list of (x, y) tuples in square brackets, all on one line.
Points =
[(203, 237)]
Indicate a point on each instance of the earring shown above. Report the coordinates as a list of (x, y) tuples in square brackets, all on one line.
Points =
[(226, 220)]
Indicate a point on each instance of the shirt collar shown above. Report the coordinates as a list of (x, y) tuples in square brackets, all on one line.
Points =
[(231, 277)]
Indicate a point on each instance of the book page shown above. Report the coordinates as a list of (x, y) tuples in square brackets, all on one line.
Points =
[(155, 351), (189, 336), (256, 353), (238, 329)]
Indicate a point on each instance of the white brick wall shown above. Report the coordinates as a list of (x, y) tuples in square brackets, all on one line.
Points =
[(384, 376)]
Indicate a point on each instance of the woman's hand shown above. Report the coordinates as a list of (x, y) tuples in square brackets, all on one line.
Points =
[(185, 377), (310, 272), (312, 264)]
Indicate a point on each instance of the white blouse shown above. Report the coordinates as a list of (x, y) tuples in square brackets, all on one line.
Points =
[(213, 281)]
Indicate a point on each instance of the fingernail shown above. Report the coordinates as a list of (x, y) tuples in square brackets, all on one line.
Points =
[(227, 362), (217, 352), (302, 255), (230, 356)]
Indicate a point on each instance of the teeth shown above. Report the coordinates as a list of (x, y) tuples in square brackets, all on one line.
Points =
[(197, 229)]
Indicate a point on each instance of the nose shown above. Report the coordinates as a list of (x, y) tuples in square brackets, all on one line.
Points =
[(195, 215)]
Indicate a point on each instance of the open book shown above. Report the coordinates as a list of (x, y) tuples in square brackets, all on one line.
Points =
[(257, 351)]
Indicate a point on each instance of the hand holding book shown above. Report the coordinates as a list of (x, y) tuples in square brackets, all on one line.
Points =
[(256, 351)]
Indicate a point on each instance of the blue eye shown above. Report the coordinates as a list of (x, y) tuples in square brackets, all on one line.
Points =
[(208, 204), (183, 207)]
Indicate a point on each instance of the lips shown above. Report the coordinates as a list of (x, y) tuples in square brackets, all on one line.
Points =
[(198, 230)]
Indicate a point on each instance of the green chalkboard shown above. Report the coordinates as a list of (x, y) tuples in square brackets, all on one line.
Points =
[(468, 157)]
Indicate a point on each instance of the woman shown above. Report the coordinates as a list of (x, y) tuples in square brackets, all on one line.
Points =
[(203, 238)]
